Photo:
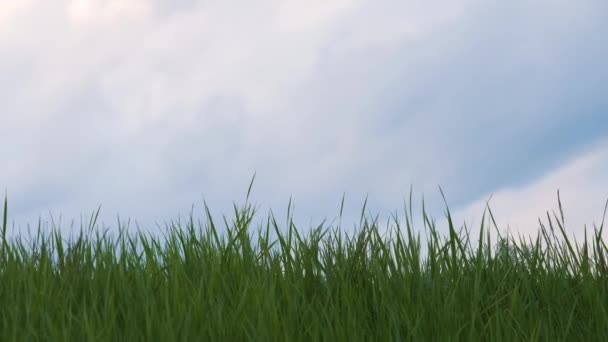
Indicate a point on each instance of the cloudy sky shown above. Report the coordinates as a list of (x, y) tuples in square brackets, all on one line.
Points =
[(148, 107)]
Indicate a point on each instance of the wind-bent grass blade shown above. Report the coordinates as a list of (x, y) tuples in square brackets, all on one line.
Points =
[(4, 220)]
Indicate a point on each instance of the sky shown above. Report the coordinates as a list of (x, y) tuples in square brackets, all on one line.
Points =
[(147, 108)]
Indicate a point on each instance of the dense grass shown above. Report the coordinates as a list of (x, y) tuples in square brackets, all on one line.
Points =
[(237, 283)]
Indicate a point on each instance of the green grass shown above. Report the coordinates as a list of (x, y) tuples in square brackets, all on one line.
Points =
[(263, 282)]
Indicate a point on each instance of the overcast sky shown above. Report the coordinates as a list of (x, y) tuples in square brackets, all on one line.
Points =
[(148, 107)]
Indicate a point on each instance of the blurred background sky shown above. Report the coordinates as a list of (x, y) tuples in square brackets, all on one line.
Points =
[(149, 107)]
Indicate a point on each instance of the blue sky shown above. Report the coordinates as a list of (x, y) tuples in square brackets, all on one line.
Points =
[(147, 107)]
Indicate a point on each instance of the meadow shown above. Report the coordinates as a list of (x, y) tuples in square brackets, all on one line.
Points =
[(238, 281)]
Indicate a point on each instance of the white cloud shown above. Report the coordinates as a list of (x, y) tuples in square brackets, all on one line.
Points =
[(583, 188), (297, 16), (107, 12), (370, 25), (11, 9)]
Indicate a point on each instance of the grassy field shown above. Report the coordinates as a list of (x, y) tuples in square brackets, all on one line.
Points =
[(243, 282)]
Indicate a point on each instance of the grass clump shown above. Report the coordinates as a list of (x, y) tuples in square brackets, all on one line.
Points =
[(242, 283)]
